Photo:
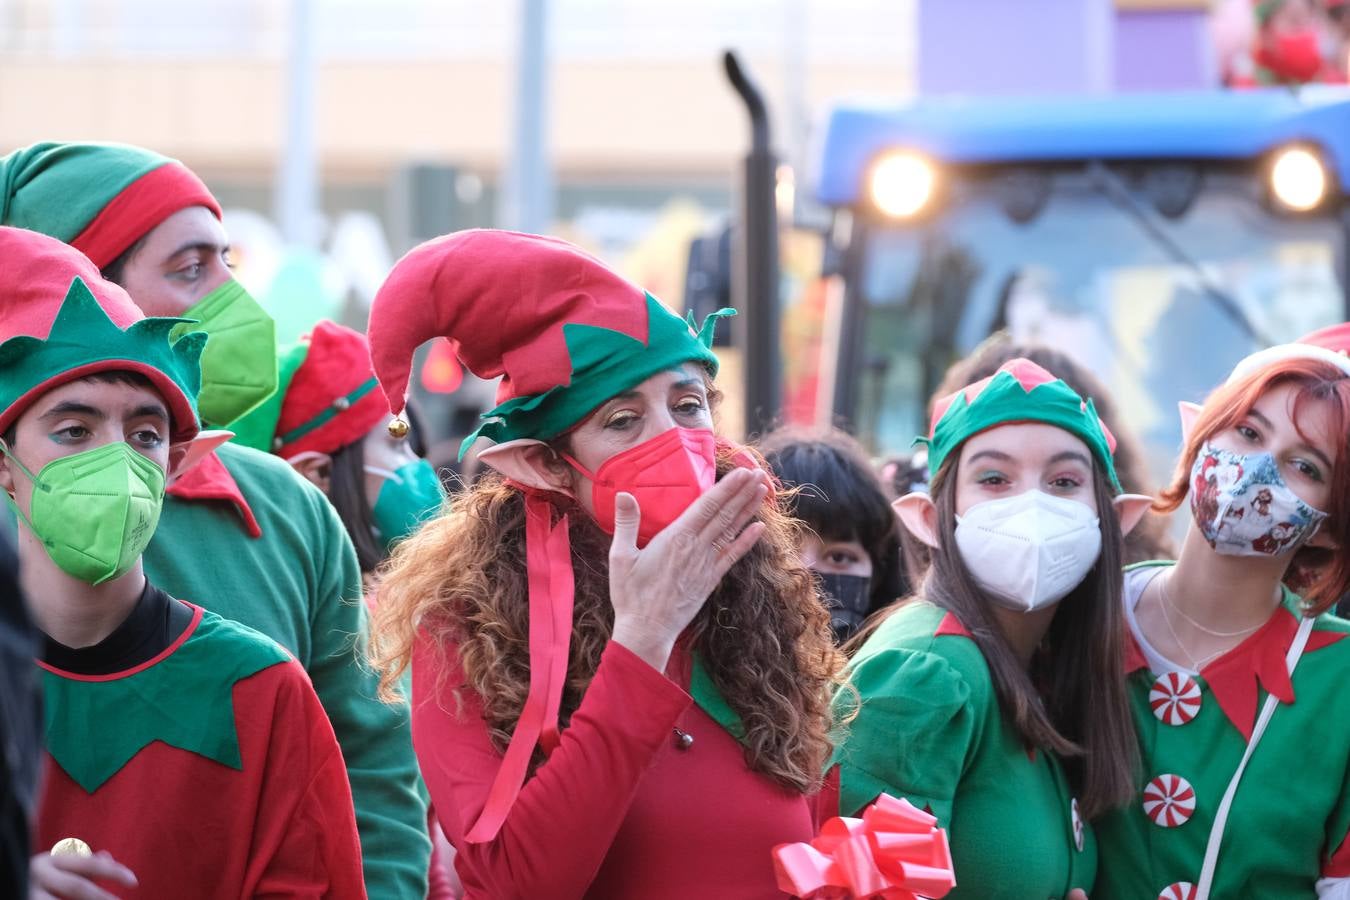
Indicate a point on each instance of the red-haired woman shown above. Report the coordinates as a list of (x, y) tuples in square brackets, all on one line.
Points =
[(620, 669), (994, 697), (1238, 684)]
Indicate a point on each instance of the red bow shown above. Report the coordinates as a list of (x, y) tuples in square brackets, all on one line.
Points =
[(894, 852)]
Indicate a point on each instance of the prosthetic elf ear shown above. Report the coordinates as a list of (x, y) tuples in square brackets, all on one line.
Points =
[(314, 466), (530, 463), (1189, 413), (1130, 509), (185, 455), (919, 516)]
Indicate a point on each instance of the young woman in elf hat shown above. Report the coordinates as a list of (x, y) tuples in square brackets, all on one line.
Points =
[(187, 754), (330, 422), (994, 698), (1237, 683), (620, 671), (239, 528)]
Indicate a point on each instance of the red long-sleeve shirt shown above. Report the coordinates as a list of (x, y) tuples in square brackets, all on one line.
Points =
[(618, 810), (279, 825)]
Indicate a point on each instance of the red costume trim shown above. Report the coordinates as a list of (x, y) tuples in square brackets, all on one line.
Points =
[(163, 654), (951, 625), (139, 208), (210, 480)]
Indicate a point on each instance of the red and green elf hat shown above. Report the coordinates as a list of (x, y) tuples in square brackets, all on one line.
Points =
[(60, 321), (564, 332), (326, 396), (1020, 391), (99, 198)]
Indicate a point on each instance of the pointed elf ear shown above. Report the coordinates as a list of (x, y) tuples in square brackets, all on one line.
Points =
[(1130, 509), (919, 516), (530, 463), (1189, 413), (314, 466), (183, 456)]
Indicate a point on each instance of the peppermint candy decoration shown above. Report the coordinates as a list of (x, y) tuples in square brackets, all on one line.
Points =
[(1175, 698), (1169, 800), (1181, 890)]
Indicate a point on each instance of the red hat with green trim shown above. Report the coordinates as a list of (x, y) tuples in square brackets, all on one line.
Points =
[(326, 397), (99, 198), (60, 321), (1020, 391), (562, 330)]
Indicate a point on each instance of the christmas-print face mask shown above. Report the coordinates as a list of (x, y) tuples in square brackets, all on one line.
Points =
[(1243, 507), (239, 364), (665, 474), (94, 511)]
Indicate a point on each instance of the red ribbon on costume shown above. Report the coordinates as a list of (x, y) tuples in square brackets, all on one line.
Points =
[(894, 852), (548, 560)]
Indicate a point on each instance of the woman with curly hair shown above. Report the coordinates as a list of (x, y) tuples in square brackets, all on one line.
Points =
[(620, 670)]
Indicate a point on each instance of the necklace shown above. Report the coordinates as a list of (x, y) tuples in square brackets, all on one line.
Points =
[(1196, 665), (1167, 601)]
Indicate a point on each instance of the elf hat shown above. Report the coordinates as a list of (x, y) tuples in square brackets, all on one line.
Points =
[(60, 321), (100, 198), (564, 332), (1020, 391), (326, 395)]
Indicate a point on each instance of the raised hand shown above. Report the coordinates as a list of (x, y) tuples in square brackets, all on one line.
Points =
[(657, 591)]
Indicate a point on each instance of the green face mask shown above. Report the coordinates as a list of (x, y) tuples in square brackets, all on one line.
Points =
[(239, 364), (409, 496), (94, 511)]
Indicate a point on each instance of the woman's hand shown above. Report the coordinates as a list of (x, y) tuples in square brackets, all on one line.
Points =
[(70, 877), (657, 591), (1077, 894)]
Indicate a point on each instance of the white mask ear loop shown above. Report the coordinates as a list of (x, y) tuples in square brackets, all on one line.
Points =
[(386, 474)]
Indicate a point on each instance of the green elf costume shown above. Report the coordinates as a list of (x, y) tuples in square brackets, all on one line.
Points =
[(1285, 834), (929, 727), (240, 528), (191, 748)]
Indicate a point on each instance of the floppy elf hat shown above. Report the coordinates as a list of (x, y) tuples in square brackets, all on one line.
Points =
[(562, 331), (326, 396), (1020, 391), (99, 198), (565, 334), (60, 321)]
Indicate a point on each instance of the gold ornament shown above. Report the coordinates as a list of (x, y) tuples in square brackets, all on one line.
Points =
[(71, 847), (398, 427)]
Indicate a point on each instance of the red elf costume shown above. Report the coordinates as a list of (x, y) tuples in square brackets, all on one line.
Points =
[(191, 748), (617, 780)]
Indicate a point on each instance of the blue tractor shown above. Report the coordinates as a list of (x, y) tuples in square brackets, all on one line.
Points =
[(1155, 238)]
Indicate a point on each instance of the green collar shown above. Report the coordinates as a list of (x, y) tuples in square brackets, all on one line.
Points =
[(184, 697), (711, 701)]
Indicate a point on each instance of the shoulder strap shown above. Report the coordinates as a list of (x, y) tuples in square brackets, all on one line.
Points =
[(1221, 817)]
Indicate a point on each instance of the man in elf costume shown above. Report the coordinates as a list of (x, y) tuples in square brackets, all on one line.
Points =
[(239, 530), (189, 751)]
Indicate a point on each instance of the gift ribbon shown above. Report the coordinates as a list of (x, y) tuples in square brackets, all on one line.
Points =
[(894, 852), (548, 562)]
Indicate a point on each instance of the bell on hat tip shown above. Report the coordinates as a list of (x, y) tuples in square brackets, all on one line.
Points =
[(398, 427)]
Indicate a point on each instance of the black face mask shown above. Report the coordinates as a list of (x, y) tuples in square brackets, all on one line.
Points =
[(848, 598)]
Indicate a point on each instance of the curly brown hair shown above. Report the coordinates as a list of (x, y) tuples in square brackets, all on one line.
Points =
[(763, 636)]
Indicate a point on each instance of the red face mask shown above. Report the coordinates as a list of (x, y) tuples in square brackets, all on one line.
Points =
[(666, 474), (1293, 56)]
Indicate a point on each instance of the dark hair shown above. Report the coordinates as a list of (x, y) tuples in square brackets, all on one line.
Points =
[(112, 376), (1149, 539), (1073, 701), (116, 270), (840, 498), (347, 493)]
